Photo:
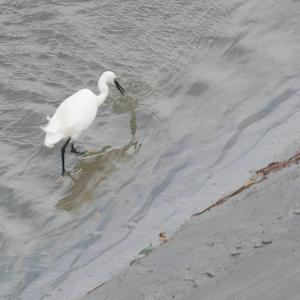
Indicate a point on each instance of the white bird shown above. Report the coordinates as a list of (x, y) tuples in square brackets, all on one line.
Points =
[(76, 113)]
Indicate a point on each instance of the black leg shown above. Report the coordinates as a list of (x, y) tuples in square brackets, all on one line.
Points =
[(74, 150), (63, 149)]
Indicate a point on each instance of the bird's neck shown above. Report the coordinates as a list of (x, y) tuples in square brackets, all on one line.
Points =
[(102, 97), (103, 88)]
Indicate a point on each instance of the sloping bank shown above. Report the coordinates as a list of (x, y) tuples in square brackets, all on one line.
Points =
[(244, 248)]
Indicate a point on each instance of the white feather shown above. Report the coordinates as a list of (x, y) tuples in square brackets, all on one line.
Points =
[(76, 113)]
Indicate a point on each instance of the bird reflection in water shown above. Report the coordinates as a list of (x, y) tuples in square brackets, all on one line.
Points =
[(97, 167)]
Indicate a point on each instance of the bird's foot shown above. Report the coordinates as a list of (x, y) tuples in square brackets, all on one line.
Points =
[(74, 150), (81, 153), (65, 178), (65, 174)]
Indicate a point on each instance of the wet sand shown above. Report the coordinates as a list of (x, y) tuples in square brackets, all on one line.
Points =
[(245, 248)]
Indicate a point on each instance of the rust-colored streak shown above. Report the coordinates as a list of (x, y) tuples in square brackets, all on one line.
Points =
[(259, 176), (94, 289), (279, 165)]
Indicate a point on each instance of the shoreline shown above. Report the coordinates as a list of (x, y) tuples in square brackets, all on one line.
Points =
[(247, 247)]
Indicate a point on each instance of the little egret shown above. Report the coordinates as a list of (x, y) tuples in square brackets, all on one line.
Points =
[(76, 113)]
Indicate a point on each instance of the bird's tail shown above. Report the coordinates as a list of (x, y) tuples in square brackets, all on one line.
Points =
[(53, 134), (52, 138)]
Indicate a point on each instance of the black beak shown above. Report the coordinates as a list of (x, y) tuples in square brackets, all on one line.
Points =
[(118, 86)]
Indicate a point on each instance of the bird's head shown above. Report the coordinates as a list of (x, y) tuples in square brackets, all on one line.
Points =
[(110, 77)]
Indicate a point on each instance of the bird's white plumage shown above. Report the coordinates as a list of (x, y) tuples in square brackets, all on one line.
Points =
[(76, 113), (73, 116)]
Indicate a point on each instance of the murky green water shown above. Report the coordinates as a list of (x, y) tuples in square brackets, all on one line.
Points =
[(213, 94)]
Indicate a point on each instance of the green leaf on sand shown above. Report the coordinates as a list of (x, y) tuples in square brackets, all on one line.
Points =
[(146, 250)]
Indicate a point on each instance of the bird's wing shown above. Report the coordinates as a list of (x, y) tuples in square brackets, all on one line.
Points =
[(77, 109)]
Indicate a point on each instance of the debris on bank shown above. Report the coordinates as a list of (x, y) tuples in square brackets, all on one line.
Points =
[(163, 237), (146, 250)]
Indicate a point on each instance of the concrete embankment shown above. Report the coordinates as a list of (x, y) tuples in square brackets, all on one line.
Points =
[(245, 248)]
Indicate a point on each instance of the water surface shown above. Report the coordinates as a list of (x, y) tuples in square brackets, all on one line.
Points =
[(213, 94)]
